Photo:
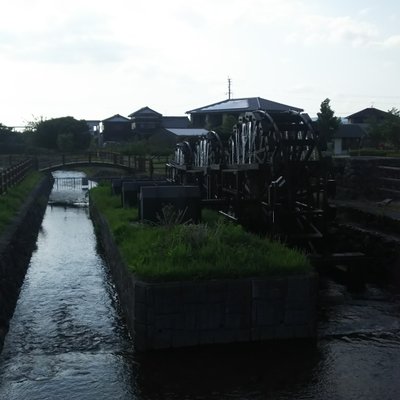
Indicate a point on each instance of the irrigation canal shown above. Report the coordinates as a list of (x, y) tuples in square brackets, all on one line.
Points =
[(67, 339)]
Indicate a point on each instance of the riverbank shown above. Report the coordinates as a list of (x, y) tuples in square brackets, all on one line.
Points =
[(16, 245)]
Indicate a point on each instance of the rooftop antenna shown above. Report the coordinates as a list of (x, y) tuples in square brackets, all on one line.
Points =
[(229, 88)]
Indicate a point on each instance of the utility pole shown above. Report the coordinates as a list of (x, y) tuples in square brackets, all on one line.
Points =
[(229, 88)]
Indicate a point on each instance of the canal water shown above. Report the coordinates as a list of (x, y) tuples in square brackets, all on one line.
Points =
[(67, 339)]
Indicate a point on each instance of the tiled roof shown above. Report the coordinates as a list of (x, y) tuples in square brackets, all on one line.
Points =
[(175, 122), (144, 111), (349, 131), (244, 104), (116, 118), (369, 112), (188, 131)]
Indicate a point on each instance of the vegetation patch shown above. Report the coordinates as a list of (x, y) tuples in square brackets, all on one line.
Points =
[(12, 201), (215, 248)]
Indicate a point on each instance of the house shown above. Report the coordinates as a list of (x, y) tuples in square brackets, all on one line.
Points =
[(146, 122), (115, 129), (351, 135), (364, 117), (348, 137), (93, 125), (94, 128), (213, 115), (161, 130)]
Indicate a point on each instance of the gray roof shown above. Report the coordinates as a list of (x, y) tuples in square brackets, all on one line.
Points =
[(145, 111), (175, 122), (243, 105), (369, 112), (349, 131), (188, 131), (116, 118)]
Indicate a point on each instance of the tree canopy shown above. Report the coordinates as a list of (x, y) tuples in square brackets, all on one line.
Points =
[(386, 130), (64, 134), (328, 124)]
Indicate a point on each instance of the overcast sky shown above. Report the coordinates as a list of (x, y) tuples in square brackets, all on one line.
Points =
[(92, 59)]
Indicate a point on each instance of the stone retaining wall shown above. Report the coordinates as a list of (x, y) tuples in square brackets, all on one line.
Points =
[(16, 246), (360, 177), (178, 314)]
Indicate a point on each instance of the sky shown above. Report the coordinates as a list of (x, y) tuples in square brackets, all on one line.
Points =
[(92, 59)]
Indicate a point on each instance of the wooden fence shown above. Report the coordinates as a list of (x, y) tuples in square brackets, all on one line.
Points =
[(14, 174)]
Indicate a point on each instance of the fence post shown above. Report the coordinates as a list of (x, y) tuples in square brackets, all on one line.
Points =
[(151, 168), (35, 163), (14, 174), (7, 179)]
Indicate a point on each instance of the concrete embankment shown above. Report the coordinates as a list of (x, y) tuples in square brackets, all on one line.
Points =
[(16, 245), (178, 314)]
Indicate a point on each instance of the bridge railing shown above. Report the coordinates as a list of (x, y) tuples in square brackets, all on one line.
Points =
[(14, 174), (141, 164)]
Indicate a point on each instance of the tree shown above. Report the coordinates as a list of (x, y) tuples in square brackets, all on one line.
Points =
[(391, 127), (386, 130), (327, 123), (11, 141), (4, 129), (65, 133), (226, 129), (65, 142)]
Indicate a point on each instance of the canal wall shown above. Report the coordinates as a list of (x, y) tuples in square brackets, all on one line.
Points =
[(16, 246), (179, 314)]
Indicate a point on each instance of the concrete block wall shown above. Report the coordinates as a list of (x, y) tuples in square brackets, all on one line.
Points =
[(16, 245), (224, 311), (179, 314), (359, 176)]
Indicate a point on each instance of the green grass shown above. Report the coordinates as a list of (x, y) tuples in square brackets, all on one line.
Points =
[(214, 249), (11, 202), (375, 152)]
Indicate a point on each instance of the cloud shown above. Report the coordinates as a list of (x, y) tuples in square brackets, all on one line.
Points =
[(318, 29), (65, 50), (74, 39), (392, 42)]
